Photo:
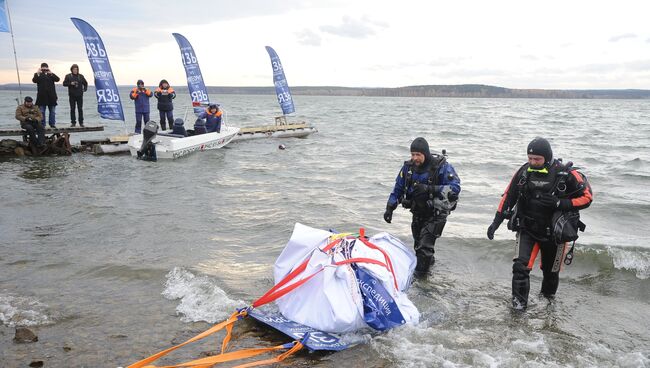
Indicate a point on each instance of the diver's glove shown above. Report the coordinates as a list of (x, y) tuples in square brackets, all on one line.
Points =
[(548, 201), (564, 204), (420, 192), (388, 215), (498, 219)]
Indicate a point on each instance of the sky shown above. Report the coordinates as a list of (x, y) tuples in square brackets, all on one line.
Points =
[(352, 43)]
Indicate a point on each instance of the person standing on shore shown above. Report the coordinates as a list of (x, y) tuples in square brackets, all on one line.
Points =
[(140, 96), (77, 85), (538, 193), (165, 94), (46, 93)]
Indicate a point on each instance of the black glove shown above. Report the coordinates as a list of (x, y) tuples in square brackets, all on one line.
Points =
[(565, 204), (452, 196), (388, 215), (420, 192), (548, 200), (498, 219)]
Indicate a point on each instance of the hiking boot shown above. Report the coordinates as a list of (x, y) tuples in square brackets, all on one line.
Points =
[(72, 125), (81, 124)]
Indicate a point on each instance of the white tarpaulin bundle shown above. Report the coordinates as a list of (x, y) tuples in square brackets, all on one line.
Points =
[(345, 283)]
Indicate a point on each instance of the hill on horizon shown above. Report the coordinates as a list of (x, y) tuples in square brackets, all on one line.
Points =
[(458, 90)]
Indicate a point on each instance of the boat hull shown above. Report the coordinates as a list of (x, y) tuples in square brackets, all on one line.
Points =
[(275, 132), (170, 147)]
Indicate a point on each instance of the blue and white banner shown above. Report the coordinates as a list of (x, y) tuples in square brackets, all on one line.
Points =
[(280, 82), (316, 340), (109, 104), (380, 311), (195, 83), (4, 20)]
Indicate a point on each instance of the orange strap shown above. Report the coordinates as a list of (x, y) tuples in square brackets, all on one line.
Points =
[(277, 359), (210, 361), (533, 255), (232, 319), (386, 258)]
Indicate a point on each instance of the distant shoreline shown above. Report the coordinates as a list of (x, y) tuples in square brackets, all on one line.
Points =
[(460, 90)]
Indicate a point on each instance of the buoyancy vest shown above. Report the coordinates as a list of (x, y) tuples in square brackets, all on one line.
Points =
[(424, 205), (529, 214)]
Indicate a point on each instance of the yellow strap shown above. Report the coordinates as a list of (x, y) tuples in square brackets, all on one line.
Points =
[(277, 359), (232, 319)]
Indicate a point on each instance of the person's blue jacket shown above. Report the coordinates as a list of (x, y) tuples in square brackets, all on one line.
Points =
[(141, 99), (212, 120), (447, 181)]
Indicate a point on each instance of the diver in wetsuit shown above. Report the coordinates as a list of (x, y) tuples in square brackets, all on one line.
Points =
[(427, 185), (539, 189)]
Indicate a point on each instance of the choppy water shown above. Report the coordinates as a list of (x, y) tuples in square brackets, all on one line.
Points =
[(110, 259)]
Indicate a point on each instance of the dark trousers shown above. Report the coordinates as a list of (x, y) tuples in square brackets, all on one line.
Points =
[(33, 129), (425, 232), (139, 116), (79, 102), (551, 262), (169, 115)]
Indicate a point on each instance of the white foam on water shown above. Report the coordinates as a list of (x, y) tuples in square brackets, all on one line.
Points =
[(636, 261), (633, 360), (201, 299), (23, 311), (536, 345)]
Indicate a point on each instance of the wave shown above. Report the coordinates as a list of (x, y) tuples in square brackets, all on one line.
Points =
[(201, 298), (20, 311)]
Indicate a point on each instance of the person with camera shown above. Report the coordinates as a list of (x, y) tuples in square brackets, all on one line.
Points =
[(46, 93), (165, 94), (77, 85), (30, 119), (541, 189), (140, 96), (427, 185)]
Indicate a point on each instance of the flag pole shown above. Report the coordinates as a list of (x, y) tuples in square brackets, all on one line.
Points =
[(13, 43)]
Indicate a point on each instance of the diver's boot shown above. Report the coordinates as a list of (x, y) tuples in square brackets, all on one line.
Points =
[(423, 267), (550, 283)]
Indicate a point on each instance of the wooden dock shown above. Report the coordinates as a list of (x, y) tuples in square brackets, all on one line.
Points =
[(57, 141)]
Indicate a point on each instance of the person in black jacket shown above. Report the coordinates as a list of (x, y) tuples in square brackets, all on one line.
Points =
[(537, 191), (46, 92), (77, 85), (165, 94)]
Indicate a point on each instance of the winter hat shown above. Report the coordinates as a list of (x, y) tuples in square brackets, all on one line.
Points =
[(74, 66), (540, 146), (140, 82), (420, 145), (28, 99), (44, 65)]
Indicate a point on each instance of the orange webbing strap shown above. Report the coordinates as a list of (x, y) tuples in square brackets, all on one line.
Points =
[(268, 296), (386, 258), (533, 255), (277, 359), (232, 319), (210, 361)]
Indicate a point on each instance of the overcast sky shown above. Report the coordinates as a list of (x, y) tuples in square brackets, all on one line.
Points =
[(356, 43)]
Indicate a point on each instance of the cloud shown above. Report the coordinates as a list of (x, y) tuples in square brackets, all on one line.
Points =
[(308, 37), (354, 28), (622, 37)]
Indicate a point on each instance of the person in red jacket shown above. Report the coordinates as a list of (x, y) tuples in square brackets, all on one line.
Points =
[(537, 191)]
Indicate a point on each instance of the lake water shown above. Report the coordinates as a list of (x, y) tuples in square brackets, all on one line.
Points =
[(110, 259)]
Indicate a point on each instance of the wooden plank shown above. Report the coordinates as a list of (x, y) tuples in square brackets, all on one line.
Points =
[(19, 132), (271, 128)]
